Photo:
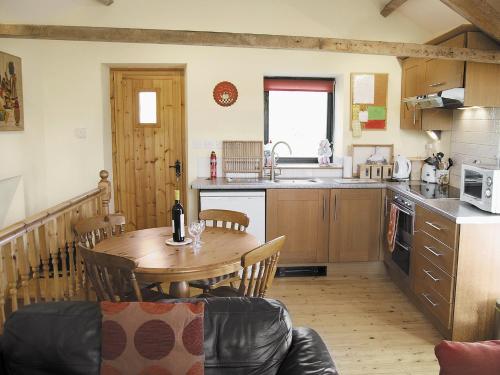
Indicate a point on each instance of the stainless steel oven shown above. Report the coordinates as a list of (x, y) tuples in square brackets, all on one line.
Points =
[(404, 232)]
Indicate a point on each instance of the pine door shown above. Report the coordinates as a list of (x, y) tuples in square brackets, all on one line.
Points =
[(148, 144)]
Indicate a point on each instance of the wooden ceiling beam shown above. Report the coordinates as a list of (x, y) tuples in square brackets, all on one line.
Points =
[(479, 13), (391, 6), (223, 39)]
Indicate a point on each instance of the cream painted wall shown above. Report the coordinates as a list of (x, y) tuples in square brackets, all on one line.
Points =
[(66, 84), (67, 87)]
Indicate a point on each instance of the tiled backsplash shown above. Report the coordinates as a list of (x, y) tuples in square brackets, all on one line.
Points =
[(475, 136)]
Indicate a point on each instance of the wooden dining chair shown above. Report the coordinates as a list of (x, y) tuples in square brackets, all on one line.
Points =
[(113, 277), (92, 230), (259, 267), (225, 219)]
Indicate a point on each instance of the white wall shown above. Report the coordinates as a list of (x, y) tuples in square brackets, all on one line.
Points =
[(66, 84)]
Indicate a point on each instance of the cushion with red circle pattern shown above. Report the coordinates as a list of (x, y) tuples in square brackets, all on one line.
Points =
[(469, 358), (147, 338)]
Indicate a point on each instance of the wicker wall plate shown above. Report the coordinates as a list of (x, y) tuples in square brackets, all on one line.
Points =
[(225, 94)]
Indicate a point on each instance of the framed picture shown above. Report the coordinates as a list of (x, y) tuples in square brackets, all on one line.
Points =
[(11, 93)]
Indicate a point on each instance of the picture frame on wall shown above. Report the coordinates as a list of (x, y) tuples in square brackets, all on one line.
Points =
[(11, 93)]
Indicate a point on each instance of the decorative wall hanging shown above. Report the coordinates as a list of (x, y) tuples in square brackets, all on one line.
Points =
[(225, 94), (11, 93), (368, 102)]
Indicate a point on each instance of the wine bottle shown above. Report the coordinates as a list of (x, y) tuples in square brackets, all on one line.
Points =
[(178, 219)]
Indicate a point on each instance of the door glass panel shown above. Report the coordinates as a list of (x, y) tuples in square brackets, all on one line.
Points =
[(147, 107)]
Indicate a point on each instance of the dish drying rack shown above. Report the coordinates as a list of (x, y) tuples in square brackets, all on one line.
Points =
[(242, 157)]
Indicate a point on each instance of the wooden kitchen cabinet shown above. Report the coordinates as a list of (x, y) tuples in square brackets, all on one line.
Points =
[(413, 73), (302, 215), (355, 225), (444, 74)]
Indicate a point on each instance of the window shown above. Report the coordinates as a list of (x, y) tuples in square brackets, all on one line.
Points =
[(298, 111), (147, 107)]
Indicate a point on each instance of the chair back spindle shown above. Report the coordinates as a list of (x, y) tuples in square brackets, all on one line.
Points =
[(236, 220), (259, 267)]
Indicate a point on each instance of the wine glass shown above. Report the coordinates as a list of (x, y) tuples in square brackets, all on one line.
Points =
[(195, 229)]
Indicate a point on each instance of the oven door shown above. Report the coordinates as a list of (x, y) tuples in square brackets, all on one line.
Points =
[(403, 243)]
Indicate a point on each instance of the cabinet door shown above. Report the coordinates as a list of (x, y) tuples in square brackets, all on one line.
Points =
[(445, 74), (302, 216), (355, 225), (411, 85)]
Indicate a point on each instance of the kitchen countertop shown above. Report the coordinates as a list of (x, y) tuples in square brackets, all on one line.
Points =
[(454, 209)]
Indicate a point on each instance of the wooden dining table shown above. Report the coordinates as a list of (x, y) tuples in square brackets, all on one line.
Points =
[(220, 254)]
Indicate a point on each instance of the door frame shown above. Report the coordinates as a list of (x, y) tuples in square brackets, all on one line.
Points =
[(149, 70)]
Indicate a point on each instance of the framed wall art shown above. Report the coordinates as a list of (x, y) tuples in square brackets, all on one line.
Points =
[(11, 93)]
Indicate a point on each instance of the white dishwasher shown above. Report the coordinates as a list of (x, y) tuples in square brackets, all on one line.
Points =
[(252, 203)]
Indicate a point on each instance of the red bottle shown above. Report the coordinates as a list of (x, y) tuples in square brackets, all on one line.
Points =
[(213, 165)]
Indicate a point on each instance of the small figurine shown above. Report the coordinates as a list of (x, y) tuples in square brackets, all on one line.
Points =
[(324, 152)]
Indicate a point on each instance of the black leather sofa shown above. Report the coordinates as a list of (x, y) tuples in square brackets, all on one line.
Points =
[(242, 336)]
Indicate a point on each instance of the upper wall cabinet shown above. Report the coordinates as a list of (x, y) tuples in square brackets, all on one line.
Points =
[(428, 76), (444, 74)]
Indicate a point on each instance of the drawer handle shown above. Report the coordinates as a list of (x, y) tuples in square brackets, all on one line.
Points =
[(428, 273), (426, 296), (437, 84), (433, 225), (432, 251)]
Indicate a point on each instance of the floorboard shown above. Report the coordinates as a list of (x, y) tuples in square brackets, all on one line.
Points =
[(368, 324)]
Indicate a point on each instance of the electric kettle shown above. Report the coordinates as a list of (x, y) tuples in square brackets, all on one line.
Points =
[(402, 168)]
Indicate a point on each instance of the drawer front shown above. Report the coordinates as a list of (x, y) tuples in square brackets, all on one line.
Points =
[(434, 303), (439, 254), (437, 226), (427, 274)]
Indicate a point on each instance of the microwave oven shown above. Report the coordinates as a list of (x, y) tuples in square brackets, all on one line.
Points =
[(480, 186)]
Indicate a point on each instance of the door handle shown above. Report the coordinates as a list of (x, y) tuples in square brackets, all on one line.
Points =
[(178, 168), (428, 273), (432, 251), (433, 225), (426, 296), (335, 207), (437, 84)]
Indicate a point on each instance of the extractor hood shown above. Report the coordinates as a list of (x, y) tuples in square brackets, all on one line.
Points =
[(453, 98)]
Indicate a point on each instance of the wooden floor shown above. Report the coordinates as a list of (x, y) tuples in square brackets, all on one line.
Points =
[(368, 324)]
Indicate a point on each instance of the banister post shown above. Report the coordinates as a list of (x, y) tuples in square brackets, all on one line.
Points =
[(105, 186)]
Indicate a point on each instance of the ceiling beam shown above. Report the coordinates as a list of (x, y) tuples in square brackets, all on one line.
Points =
[(480, 13), (391, 6), (223, 39), (106, 2)]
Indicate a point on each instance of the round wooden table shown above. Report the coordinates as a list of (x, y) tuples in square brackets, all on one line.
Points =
[(220, 254)]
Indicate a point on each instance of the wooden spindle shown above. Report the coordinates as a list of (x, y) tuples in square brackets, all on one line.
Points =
[(3, 288), (34, 262), (54, 256), (43, 241), (10, 271), (70, 245), (23, 268)]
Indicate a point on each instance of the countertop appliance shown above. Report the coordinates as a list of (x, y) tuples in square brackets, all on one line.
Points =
[(429, 173), (402, 168), (404, 232), (480, 186), (253, 203)]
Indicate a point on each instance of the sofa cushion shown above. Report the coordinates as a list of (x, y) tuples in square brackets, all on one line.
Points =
[(463, 358), (152, 338), (245, 336), (53, 338)]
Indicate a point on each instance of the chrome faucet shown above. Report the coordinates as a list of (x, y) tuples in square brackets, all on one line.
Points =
[(272, 157)]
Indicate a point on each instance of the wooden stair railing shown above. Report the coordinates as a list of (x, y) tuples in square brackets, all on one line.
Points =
[(39, 260)]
